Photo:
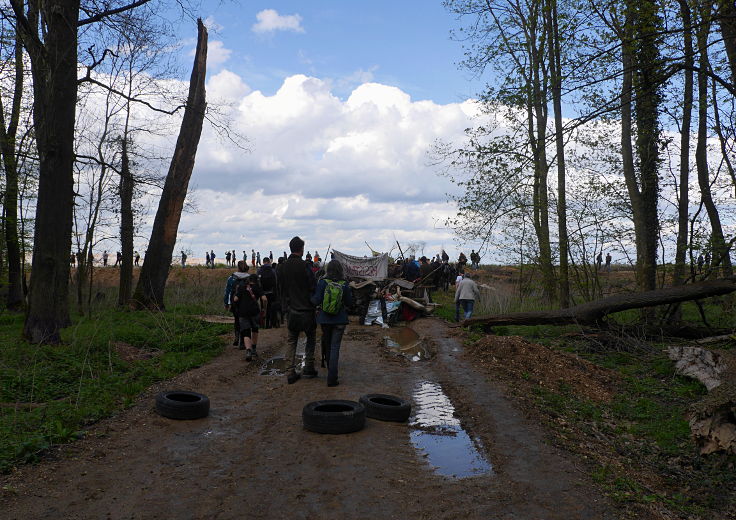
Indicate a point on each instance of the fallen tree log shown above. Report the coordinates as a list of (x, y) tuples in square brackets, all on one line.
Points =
[(593, 312), (713, 419)]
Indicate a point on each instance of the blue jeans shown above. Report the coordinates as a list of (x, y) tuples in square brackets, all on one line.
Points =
[(467, 306), (331, 340)]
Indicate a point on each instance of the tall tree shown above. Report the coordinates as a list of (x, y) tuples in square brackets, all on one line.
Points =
[(555, 65), (9, 150), (152, 281), (719, 248), (127, 184), (52, 48), (683, 201)]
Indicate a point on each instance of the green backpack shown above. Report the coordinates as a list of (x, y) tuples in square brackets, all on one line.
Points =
[(332, 300)]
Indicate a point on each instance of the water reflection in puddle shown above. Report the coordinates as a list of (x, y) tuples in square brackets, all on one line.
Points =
[(404, 341), (277, 366), (439, 436)]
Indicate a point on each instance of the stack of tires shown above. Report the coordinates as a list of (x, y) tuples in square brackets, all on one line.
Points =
[(338, 416)]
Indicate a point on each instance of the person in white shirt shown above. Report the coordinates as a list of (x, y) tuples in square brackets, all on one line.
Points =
[(466, 292)]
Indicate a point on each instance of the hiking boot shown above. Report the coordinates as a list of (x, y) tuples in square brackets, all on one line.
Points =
[(236, 342), (333, 383), (292, 377), (248, 354), (309, 372)]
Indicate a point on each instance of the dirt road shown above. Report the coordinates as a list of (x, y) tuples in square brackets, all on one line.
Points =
[(251, 458)]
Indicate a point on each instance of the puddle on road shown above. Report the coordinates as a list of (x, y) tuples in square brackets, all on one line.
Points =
[(438, 435), (276, 366), (404, 341)]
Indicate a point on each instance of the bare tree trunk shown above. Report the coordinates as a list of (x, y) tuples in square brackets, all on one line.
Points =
[(719, 247), (538, 138), (126, 227), (150, 289), (54, 69), (627, 149), (10, 162), (556, 73), (727, 20), (646, 82), (683, 203)]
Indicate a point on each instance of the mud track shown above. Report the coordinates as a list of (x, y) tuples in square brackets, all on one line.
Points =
[(251, 458)]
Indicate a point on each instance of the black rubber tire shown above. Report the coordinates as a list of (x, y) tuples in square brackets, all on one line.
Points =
[(333, 416), (386, 407), (182, 404)]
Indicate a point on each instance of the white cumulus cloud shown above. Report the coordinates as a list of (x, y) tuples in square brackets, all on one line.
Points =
[(270, 20)]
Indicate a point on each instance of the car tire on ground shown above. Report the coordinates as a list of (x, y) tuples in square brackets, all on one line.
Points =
[(386, 407), (333, 416), (182, 404)]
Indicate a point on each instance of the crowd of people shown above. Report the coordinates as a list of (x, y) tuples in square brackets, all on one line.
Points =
[(292, 288), (307, 292), (78, 258)]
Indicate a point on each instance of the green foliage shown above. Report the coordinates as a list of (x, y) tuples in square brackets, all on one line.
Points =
[(57, 390)]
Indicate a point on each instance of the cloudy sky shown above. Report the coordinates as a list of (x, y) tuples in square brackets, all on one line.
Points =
[(341, 103)]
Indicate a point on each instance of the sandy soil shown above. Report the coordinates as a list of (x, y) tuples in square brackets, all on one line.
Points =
[(251, 458)]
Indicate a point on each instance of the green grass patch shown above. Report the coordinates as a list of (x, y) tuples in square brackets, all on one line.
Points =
[(62, 388)]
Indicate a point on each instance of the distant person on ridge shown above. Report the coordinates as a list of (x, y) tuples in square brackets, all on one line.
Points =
[(137, 257), (207, 259), (258, 258), (104, 258), (253, 257), (297, 286), (119, 258), (599, 261), (227, 258), (183, 258), (212, 258)]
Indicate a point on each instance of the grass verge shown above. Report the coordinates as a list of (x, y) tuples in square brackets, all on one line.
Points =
[(48, 394)]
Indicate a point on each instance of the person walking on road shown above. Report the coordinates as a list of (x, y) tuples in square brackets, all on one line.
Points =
[(332, 297), (297, 286), (248, 299), (466, 293), (268, 277), (240, 274)]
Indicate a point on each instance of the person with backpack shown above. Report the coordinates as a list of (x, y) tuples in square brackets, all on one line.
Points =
[(297, 285), (240, 274), (332, 296), (248, 299), (267, 275)]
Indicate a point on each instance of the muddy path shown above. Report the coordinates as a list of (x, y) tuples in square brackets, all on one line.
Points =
[(251, 458)]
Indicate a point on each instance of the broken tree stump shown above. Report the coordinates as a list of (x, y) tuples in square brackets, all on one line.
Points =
[(713, 419)]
